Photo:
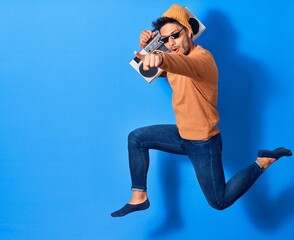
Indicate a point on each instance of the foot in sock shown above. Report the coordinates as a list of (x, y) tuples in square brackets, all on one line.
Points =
[(266, 157), (128, 208), (277, 153)]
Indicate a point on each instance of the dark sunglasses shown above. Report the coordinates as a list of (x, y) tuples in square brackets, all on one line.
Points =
[(173, 36)]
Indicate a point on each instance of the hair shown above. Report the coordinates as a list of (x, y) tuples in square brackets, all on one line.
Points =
[(160, 22)]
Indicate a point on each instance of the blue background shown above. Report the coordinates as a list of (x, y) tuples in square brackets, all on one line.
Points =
[(68, 99)]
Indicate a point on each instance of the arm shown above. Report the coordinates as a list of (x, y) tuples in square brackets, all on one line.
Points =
[(196, 65)]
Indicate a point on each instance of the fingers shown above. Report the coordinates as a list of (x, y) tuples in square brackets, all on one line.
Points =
[(145, 37), (139, 55), (149, 60), (158, 60)]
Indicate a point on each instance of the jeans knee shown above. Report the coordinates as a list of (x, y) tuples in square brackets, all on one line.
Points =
[(218, 205), (134, 136)]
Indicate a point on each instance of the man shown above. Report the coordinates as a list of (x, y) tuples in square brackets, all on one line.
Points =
[(193, 77)]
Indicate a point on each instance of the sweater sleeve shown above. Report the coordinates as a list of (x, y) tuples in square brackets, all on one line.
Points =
[(197, 65)]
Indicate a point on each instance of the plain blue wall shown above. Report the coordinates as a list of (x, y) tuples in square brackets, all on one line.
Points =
[(68, 99)]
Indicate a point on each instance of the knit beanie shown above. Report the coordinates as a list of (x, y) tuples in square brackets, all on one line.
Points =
[(181, 15)]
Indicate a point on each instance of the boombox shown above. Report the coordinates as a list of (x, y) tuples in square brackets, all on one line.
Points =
[(156, 44)]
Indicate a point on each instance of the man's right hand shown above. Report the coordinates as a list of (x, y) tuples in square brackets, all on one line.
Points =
[(150, 60), (145, 37)]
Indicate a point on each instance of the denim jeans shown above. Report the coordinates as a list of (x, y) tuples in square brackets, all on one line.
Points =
[(206, 157)]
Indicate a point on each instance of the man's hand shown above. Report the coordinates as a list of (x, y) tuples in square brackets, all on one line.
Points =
[(149, 60), (145, 37)]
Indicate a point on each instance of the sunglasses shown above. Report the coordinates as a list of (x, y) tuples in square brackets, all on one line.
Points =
[(173, 36)]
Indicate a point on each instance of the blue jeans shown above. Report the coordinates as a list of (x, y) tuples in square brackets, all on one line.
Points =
[(206, 157)]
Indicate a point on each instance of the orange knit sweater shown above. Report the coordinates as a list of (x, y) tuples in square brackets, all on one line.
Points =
[(194, 81)]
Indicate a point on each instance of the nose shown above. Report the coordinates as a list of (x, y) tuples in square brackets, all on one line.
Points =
[(171, 41)]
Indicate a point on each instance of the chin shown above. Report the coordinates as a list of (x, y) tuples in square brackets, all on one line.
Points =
[(179, 51)]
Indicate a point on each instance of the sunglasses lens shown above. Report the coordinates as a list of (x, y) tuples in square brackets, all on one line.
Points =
[(164, 40), (173, 36)]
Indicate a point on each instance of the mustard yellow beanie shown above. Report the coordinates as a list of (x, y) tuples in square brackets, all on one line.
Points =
[(181, 15)]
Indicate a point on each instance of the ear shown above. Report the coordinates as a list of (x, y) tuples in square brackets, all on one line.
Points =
[(189, 33)]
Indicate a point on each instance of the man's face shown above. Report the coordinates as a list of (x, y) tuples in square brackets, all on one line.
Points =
[(179, 43)]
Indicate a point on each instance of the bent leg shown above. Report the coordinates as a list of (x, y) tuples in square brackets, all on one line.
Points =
[(160, 137), (243, 180), (206, 157)]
